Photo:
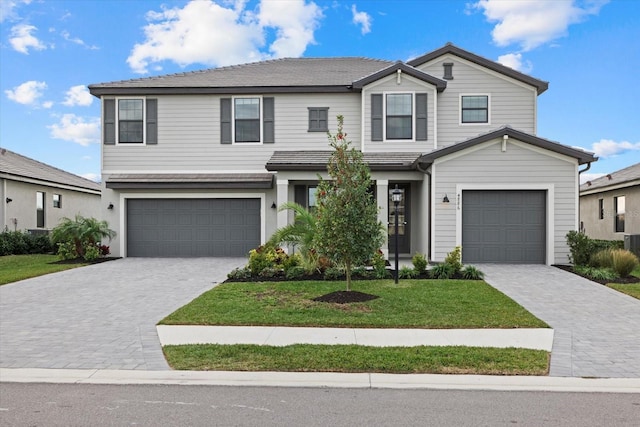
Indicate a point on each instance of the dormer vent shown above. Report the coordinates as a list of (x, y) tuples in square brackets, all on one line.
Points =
[(448, 71), (609, 177)]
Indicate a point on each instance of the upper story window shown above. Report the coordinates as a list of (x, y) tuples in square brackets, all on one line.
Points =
[(318, 119), (57, 201), (399, 116), (130, 121), (474, 109), (247, 119), (618, 209)]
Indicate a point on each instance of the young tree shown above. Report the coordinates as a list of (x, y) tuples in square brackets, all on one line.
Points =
[(347, 228)]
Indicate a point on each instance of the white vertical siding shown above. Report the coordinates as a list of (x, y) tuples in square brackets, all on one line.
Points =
[(407, 84), (189, 135), (512, 103), (521, 165)]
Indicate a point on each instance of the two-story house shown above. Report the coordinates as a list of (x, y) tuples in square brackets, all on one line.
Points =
[(196, 164)]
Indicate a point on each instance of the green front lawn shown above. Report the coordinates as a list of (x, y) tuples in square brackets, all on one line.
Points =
[(354, 358), (19, 267), (631, 289), (411, 304)]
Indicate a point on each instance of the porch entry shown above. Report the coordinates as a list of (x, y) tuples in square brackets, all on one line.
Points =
[(404, 220)]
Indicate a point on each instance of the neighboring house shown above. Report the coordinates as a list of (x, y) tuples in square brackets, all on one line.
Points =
[(196, 163), (35, 196), (610, 205)]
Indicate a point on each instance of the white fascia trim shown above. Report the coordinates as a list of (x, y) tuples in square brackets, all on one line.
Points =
[(488, 95), (182, 171), (50, 184), (608, 188), (435, 120), (233, 120), (182, 195), (432, 200), (550, 217), (543, 151), (144, 122)]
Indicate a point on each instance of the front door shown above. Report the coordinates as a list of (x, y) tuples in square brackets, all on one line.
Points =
[(404, 221)]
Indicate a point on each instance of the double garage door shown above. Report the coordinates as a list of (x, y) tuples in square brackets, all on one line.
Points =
[(504, 226), (192, 227)]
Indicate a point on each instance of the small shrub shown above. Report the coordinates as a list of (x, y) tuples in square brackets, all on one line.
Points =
[(454, 259), (419, 262), (379, 265), (333, 273), (470, 272), (580, 247), (594, 273), (265, 257), (67, 250), (601, 259), (442, 271), (104, 250), (360, 272), (239, 274), (291, 261), (91, 253), (407, 272), (623, 262), (13, 243), (295, 272), (270, 272)]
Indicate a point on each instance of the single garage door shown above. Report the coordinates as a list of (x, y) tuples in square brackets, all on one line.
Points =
[(192, 227), (504, 227)]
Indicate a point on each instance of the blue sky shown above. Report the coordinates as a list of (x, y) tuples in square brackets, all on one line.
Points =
[(589, 51)]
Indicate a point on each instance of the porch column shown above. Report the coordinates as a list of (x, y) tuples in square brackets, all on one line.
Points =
[(282, 196), (382, 196)]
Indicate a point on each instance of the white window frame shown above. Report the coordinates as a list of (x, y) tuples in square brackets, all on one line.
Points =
[(144, 121), (233, 120), (488, 122), (413, 115)]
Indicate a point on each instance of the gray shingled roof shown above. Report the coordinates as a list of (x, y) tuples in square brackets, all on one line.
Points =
[(629, 176), (295, 73), (14, 166), (317, 161)]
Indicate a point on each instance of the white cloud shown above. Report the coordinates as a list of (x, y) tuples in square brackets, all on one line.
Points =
[(361, 18), (21, 39), (208, 33), (609, 148), (514, 60), (584, 177), (531, 23), (77, 129), (65, 35), (7, 8), (78, 95), (28, 93)]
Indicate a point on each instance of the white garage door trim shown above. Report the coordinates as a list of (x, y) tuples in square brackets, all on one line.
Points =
[(549, 188), (164, 195)]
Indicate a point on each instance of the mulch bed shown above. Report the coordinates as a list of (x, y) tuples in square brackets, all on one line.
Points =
[(345, 297), (623, 280), (83, 261)]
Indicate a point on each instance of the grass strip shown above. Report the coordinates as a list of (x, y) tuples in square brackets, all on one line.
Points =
[(19, 267), (411, 304), (631, 289), (354, 358)]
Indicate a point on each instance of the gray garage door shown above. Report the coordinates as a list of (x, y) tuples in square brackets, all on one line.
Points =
[(504, 227), (192, 227)]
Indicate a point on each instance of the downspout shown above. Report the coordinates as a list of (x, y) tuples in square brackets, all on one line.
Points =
[(579, 172), (426, 172)]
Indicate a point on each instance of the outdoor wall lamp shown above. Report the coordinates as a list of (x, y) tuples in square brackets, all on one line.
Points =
[(9, 200), (110, 207), (445, 199), (396, 197), (273, 205)]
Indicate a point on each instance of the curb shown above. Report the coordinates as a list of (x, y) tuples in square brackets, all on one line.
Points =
[(322, 379)]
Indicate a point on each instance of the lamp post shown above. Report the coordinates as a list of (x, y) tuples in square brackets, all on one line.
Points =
[(396, 197)]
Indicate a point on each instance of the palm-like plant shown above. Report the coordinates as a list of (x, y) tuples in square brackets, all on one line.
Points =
[(82, 232), (300, 233)]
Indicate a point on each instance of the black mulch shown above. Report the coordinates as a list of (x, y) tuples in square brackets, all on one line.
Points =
[(83, 261), (623, 280), (345, 297)]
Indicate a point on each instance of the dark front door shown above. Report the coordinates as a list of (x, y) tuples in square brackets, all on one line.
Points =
[(404, 221)]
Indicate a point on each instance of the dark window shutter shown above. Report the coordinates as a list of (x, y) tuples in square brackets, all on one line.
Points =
[(225, 120), (268, 132), (421, 117), (152, 121), (376, 117), (109, 123)]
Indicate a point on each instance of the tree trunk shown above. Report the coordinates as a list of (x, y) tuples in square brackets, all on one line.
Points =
[(347, 271)]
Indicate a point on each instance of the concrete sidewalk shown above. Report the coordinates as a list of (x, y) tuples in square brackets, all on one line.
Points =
[(539, 339)]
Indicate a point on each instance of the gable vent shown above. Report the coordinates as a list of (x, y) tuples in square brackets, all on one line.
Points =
[(448, 71)]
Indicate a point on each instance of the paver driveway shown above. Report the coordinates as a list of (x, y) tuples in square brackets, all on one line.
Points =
[(101, 316), (597, 329)]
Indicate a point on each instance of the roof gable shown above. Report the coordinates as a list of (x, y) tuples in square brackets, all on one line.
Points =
[(449, 48), (580, 155), (403, 68), (18, 167)]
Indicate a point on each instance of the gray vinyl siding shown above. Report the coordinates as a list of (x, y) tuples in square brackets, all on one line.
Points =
[(503, 170), (408, 84), (189, 134), (511, 103)]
